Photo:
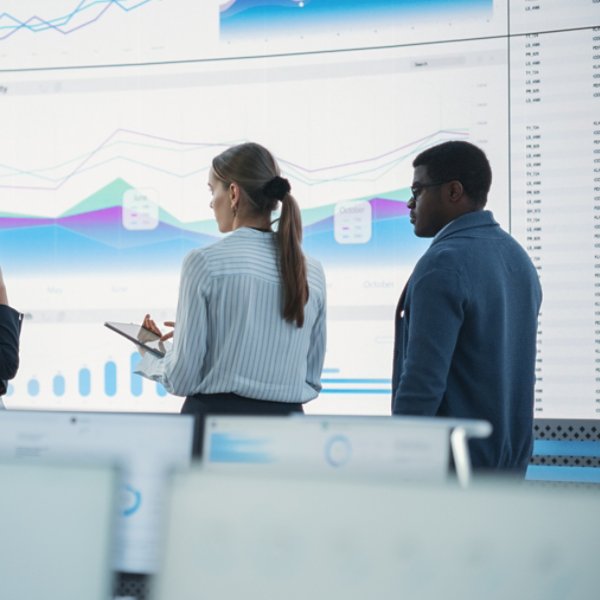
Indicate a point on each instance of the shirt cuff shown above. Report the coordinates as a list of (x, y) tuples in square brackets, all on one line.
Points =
[(151, 367)]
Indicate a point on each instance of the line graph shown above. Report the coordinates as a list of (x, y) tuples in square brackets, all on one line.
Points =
[(151, 151), (85, 13), (40, 35), (127, 201)]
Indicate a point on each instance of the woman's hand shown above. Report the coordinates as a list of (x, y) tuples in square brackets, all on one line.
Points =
[(149, 323), (169, 334)]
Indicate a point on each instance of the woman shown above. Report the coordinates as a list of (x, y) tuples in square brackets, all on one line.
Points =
[(250, 335)]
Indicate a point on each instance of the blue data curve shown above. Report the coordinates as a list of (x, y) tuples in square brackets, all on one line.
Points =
[(9, 24)]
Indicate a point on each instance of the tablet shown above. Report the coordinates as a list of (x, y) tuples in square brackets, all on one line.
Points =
[(139, 335)]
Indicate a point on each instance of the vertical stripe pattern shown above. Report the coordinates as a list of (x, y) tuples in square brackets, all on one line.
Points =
[(230, 335)]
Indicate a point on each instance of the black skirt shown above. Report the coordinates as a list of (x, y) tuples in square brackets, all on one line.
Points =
[(232, 404)]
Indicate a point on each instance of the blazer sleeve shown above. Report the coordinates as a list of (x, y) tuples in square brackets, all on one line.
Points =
[(10, 326), (433, 319)]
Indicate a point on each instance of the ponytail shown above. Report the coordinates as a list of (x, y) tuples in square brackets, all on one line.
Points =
[(292, 261), (255, 170)]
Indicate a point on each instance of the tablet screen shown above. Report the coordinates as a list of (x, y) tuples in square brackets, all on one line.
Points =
[(140, 336)]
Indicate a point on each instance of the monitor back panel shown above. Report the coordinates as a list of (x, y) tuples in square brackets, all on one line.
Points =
[(328, 446), (146, 447), (57, 525), (277, 537)]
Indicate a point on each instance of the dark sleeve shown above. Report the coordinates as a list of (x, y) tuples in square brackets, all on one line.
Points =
[(433, 318), (10, 325)]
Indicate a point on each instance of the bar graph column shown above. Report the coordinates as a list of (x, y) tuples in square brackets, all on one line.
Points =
[(85, 382), (110, 378), (136, 380), (33, 387), (58, 385)]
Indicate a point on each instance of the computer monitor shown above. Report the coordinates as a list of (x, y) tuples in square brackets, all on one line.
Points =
[(145, 446), (408, 448), (279, 537), (57, 523)]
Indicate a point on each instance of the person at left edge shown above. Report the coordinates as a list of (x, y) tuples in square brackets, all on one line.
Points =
[(10, 326), (250, 325)]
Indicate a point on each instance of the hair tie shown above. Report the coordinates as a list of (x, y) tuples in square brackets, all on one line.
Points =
[(277, 188)]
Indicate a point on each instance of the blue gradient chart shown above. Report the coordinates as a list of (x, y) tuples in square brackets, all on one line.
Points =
[(97, 238), (241, 18)]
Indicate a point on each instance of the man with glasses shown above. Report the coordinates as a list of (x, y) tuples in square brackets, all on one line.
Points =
[(466, 322)]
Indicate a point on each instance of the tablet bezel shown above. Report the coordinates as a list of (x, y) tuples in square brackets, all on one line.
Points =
[(118, 327)]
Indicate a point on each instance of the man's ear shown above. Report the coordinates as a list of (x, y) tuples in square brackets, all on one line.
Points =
[(455, 190)]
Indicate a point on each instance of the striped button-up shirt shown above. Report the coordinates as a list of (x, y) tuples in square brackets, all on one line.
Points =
[(230, 335)]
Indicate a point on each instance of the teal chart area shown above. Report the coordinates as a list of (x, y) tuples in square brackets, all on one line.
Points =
[(103, 233)]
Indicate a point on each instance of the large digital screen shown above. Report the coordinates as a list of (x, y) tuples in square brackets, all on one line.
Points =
[(107, 146)]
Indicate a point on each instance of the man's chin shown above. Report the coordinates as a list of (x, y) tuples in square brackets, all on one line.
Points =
[(422, 234)]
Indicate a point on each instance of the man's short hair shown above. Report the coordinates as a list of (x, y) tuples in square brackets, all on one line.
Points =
[(459, 161)]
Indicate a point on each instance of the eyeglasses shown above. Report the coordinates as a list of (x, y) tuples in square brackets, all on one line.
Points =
[(416, 189)]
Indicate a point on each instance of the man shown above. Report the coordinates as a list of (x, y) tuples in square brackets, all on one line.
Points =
[(466, 322), (10, 325)]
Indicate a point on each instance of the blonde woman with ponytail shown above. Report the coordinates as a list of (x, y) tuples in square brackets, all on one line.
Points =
[(250, 334)]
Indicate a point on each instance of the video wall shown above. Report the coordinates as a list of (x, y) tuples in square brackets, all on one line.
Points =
[(111, 112)]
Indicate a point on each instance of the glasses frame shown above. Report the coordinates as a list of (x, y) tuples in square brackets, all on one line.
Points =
[(416, 190)]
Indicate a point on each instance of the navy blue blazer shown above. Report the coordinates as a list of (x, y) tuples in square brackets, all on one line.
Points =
[(465, 344), (10, 327)]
